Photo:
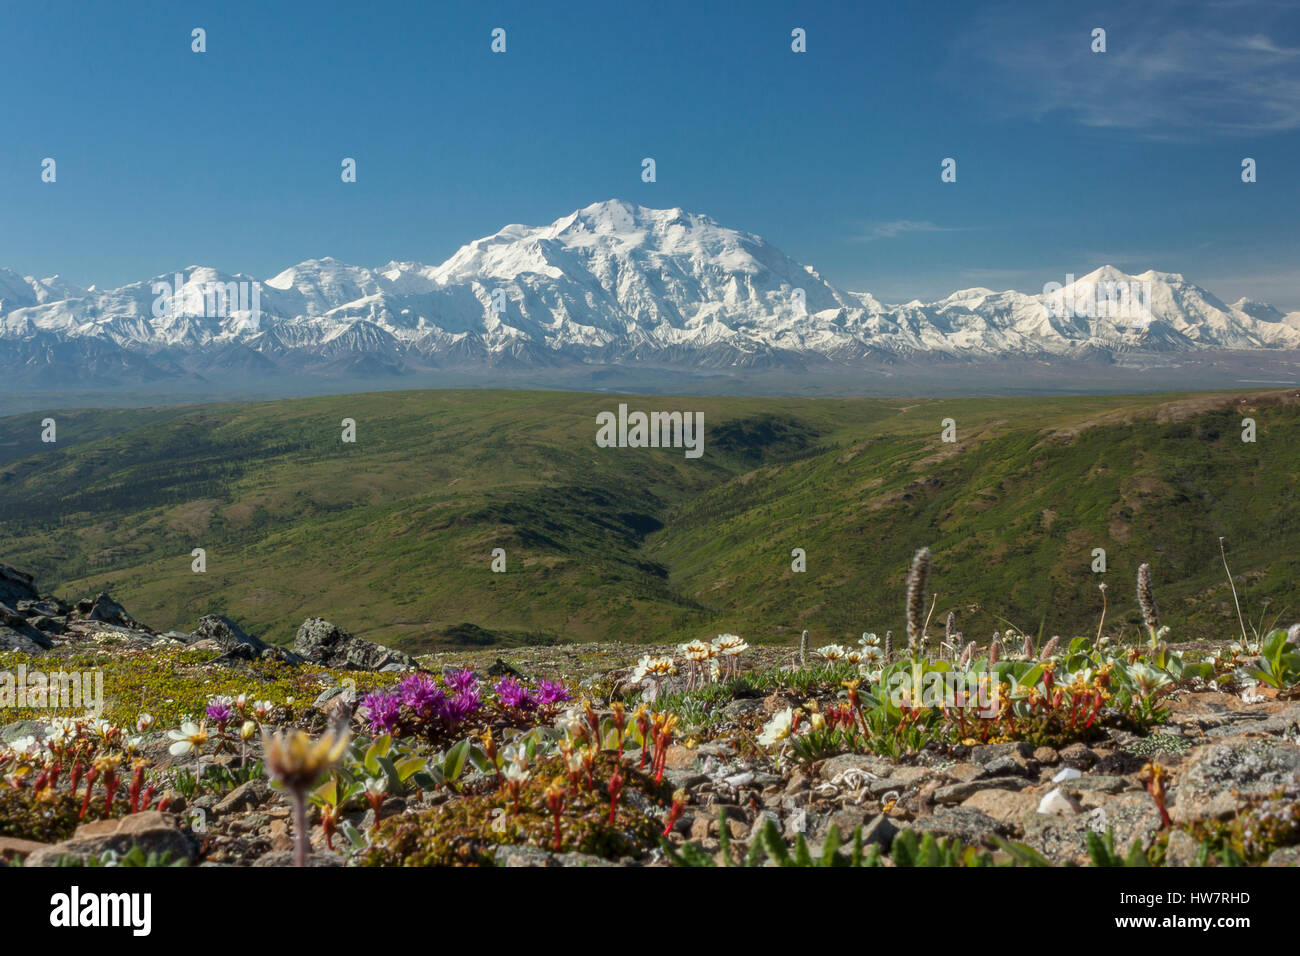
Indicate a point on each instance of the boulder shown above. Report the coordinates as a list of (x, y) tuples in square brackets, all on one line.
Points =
[(28, 640), (329, 645), (1063, 839), (230, 638), (1219, 779), (104, 608), (151, 831), (16, 586)]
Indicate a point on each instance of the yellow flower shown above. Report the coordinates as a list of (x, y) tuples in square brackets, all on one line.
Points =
[(296, 761)]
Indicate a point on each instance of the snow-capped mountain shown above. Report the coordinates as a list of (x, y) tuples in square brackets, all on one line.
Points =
[(611, 284)]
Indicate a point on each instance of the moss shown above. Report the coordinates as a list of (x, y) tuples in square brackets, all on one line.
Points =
[(171, 683), (48, 818), (1257, 831), (466, 830)]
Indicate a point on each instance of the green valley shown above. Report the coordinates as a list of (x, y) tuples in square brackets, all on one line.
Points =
[(392, 536)]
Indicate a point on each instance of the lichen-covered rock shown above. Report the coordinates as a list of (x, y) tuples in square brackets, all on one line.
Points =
[(1219, 779), (326, 644), (230, 638), (151, 831), (16, 586)]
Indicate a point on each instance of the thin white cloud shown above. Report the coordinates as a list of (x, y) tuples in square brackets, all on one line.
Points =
[(898, 227), (1170, 70)]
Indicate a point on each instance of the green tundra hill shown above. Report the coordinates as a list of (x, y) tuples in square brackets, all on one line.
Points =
[(392, 536)]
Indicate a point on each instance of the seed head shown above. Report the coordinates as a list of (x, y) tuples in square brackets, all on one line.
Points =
[(918, 576), (1147, 599)]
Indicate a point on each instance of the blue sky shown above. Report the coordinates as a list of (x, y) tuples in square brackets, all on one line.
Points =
[(1066, 159)]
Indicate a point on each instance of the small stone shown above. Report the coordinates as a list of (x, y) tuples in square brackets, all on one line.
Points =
[(958, 792), (1046, 755), (247, 795), (1078, 755), (1058, 803), (795, 824), (1067, 773)]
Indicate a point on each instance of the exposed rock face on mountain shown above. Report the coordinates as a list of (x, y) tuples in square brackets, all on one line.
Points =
[(227, 636), (34, 624), (614, 283), (324, 643)]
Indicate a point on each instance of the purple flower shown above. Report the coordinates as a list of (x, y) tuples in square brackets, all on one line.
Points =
[(384, 710), (421, 694), (551, 692), (514, 695), (458, 682), (220, 712), (461, 707)]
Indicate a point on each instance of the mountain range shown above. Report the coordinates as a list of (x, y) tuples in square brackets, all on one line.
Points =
[(615, 285)]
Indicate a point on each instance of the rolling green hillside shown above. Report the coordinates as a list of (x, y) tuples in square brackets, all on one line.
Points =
[(392, 536)]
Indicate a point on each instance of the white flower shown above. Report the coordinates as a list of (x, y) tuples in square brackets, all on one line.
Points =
[(515, 772), (1148, 679), (778, 728), (191, 736), (143, 723), (22, 745), (697, 651), (729, 645), (869, 675), (648, 665), (832, 652), (869, 640)]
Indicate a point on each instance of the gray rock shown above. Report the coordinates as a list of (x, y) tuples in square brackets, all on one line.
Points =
[(738, 708), (531, 856), (151, 831), (1098, 782), (1218, 779), (879, 766), (22, 728), (966, 824), (16, 586), (1011, 764), (1284, 856), (987, 753), (28, 640), (848, 820), (228, 635), (1063, 839), (957, 792), (285, 858), (879, 830), (235, 643), (324, 643), (1183, 849), (246, 796), (761, 821), (104, 608)]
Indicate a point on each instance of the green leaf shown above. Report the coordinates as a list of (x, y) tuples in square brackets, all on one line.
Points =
[(378, 748), (454, 762)]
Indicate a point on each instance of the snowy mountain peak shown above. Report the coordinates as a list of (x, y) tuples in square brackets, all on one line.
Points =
[(613, 282)]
